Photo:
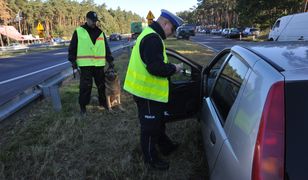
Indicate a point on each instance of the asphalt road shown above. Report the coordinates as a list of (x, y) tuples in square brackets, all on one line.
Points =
[(215, 42), (22, 72)]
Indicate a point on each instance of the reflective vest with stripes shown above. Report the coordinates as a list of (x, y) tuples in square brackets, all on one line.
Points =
[(89, 54), (139, 81)]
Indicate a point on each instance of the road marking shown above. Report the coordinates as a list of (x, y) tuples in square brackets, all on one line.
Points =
[(215, 50), (60, 53), (29, 74)]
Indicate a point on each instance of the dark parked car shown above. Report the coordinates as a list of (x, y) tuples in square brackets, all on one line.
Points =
[(233, 33), (115, 37), (191, 29), (182, 33), (252, 102)]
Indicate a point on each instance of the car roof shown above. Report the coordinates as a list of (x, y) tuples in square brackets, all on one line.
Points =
[(287, 55)]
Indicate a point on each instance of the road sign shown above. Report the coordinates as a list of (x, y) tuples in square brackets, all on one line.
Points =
[(39, 27), (150, 17)]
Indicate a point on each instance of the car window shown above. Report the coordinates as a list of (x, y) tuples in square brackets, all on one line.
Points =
[(227, 86), (185, 74), (209, 81), (277, 24)]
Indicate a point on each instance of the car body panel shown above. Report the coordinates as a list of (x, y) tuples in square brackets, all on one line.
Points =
[(237, 153), (213, 126), (229, 138), (289, 55)]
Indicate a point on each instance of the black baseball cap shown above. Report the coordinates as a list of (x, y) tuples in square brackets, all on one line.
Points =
[(92, 15)]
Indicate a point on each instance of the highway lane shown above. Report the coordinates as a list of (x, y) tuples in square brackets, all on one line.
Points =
[(215, 42), (22, 72)]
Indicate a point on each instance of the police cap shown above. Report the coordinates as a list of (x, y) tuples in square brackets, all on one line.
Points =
[(175, 20)]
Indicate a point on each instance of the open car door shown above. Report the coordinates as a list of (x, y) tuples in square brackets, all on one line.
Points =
[(184, 88)]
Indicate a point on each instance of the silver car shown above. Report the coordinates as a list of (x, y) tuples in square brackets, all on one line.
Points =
[(252, 103)]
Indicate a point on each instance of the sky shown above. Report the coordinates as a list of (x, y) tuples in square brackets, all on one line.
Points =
[(142, 7)]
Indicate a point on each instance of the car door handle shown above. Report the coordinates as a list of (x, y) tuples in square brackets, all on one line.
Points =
[(301, 38), (213, 137)]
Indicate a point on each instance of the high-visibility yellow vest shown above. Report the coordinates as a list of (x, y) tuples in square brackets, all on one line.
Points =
[(89, 54), (139, 81)]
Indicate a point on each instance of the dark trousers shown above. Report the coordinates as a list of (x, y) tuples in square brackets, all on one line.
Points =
[(87, 74), (151, 116)]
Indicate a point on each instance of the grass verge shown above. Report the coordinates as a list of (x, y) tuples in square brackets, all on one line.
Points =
[(38, 143)]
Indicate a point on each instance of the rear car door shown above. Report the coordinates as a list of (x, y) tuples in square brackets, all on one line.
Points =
[(223, 83), (185, 88)]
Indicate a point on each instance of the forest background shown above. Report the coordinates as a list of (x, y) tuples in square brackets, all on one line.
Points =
[(60, 17)]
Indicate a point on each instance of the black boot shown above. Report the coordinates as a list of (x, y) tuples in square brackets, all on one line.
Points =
[(158, 164), (83, 110), (167, 147)]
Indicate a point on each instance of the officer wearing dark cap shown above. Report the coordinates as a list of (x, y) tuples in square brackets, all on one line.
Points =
[(147, 80), (89, 51)]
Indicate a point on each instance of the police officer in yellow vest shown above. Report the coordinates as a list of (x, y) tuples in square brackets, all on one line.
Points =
[(89, 51), (147, 79)]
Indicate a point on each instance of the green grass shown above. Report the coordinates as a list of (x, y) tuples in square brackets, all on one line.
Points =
[(191, 50), (39, 143)]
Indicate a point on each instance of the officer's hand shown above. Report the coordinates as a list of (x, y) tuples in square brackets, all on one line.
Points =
[(178, 67), (74, 65)]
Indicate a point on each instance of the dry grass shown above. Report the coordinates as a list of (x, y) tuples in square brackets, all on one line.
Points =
[(191, 50), (38, 143)]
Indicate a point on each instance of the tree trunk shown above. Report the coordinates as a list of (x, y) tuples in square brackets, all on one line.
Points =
[(1, 41)]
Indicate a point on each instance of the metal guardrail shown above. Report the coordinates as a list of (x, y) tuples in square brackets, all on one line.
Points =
[(49, 88), (19, 102), (25, 49)]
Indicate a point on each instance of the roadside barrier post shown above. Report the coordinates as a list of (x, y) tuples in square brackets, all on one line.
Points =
[(54, 94), (55, 98), (129, 50)]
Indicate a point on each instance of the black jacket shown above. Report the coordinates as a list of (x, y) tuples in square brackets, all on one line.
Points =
[(151, 51), (94, 34)]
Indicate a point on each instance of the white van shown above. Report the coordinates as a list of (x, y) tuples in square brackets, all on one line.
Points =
[(290, 28)]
